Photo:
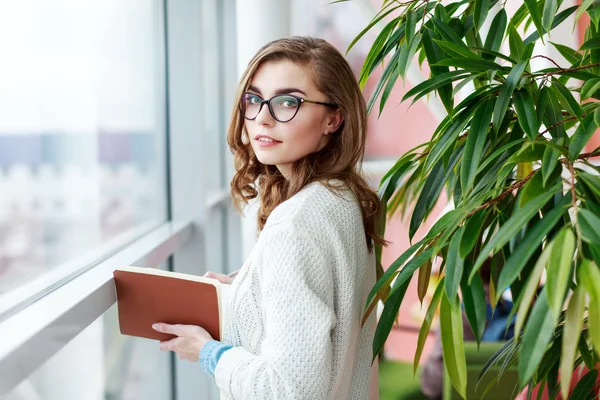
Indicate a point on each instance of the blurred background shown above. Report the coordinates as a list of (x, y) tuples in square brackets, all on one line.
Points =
[(111, 114)]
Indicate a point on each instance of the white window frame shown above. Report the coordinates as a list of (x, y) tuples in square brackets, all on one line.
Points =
[(200, 60)]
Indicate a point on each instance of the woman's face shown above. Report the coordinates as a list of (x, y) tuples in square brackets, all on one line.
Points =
[(306, 133)]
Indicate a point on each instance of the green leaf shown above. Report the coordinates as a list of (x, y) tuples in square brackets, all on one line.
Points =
[(434, 55), (468, 64), (388, 316), (456, 50), (496, 32), (593, 182), (550, 9), (560, 17), (585, 386), (585, 4), (589, 277), (529, 151), (594, 323), (568, 53), (593, 43), (406, 59), (411, 23), (513, 226), (536, 337), (589, 88), (454, 265), (536, 17), (392, 67), (451, 329), (570, 338), (371, 25), (549, 161), (566, 99), (526, 297), (526, 114), (473, 297), (586, 353), (517, 47), (390, 180), (506, 93), (556, 145), (407, 272), (480, 12), (494, 54), (429, 194), (476, 140), (434, 83), (380, 49), (471, 233), (391, 82), (597, 117), (525, 249), (581, 136), (426, 326), (424, 279), (559, 268), (393, 268), (447, 33), (589, 224)]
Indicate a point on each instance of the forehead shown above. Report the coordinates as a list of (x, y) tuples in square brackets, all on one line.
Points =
[(274, 75)]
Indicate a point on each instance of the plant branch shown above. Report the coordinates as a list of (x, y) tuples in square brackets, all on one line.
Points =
[(549, 59), (559, 123), (516, 185), (562, 70), (519, 184)]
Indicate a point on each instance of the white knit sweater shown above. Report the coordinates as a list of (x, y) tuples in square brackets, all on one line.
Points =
[(293, 312)]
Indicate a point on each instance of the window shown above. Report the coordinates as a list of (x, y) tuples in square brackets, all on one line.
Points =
[(82, 136)]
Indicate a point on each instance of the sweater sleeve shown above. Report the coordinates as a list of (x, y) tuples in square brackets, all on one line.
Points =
[(210, 354), (297, 297)]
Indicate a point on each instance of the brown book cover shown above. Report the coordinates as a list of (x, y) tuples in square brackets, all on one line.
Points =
[(149, 295)]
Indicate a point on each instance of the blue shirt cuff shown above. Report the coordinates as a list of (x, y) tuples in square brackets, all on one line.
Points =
[(210, 354)]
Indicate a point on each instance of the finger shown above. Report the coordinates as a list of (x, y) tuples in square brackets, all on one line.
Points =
[(170, 345), (165, 346), (167, 328)]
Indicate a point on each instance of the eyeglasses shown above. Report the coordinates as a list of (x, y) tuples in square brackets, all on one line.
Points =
[(282, 107)]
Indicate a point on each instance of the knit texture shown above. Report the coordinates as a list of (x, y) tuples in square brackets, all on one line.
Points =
[(293, 312)]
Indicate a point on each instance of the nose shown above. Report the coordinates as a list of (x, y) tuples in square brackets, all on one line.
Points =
[(264, 117)]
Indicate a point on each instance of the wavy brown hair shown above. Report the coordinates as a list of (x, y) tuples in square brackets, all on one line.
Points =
[(340, 159)]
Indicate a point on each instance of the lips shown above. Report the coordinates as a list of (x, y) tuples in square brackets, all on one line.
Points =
[(266, 137)]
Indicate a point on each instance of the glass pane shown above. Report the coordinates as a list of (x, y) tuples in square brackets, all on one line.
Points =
[(82, 134), (100, 363)]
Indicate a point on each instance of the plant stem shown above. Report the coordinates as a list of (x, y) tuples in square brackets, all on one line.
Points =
[(516, 185), (548, 74), (551, 60)]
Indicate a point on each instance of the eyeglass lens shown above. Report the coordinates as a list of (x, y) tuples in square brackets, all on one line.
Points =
[(283, 107)]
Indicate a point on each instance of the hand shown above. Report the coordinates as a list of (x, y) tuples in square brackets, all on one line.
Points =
[(189, 341), (221, 277)]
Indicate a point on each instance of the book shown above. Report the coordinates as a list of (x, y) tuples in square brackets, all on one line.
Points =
[(148, 295)]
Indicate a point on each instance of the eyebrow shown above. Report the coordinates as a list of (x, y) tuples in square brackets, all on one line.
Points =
[(278, 91)]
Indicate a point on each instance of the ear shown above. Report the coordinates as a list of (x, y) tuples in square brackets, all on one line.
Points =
[(334, 121)]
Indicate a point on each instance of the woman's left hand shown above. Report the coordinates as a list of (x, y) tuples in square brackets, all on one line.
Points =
[(189, 341)]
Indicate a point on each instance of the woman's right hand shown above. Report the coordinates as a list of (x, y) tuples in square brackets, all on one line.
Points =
[(220, 277)]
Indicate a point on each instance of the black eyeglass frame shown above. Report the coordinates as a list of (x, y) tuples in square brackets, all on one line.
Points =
[(268, 102)]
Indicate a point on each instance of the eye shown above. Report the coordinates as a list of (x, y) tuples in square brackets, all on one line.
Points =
[(253, 99), (288, 102)]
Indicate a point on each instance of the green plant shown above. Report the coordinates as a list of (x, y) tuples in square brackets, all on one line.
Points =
[(510, 156)]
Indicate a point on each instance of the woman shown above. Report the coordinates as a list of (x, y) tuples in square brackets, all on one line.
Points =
[(294, 311)]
